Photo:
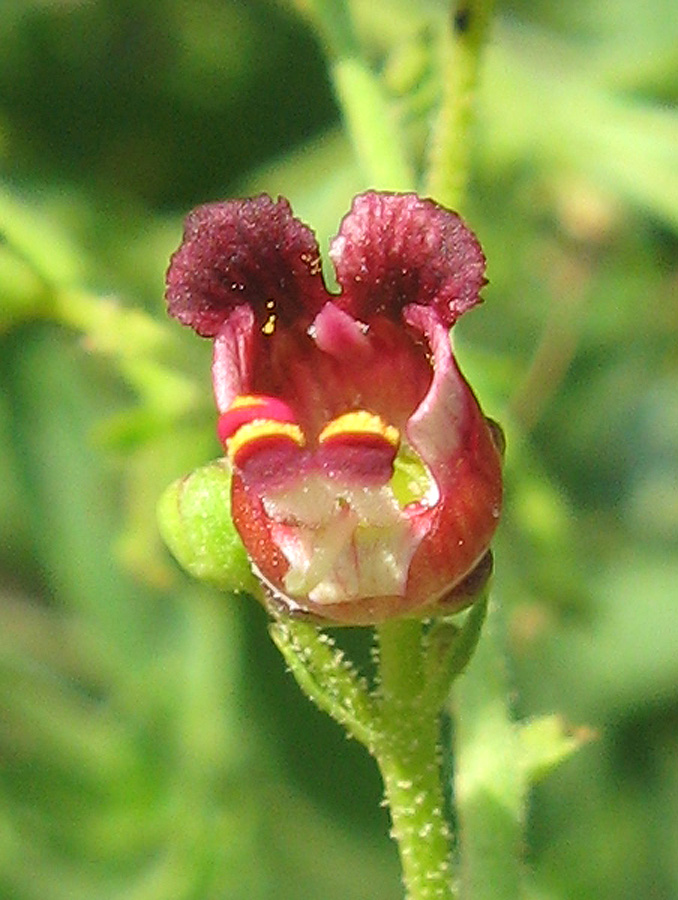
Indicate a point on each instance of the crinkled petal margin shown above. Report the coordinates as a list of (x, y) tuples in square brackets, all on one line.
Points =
[(252, 252), (397, 249)]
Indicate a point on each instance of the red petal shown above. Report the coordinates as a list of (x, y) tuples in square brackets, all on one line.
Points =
[(239, 252), (396, 249), (454, 439), (339, 335), (331, 369), (233, 357)]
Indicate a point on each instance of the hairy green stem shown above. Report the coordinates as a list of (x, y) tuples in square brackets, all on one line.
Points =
[(462, 37), (408, 754)]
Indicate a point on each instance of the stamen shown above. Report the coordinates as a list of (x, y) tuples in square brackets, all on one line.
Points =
[(269, 325), (358, 447), (248, 408), (359, 423), (258, 433)]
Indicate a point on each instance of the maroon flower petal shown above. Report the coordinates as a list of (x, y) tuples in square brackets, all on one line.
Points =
[(239, 252), (233, 357), (454, 439), (339, 335), (397, 249), (335, 367)]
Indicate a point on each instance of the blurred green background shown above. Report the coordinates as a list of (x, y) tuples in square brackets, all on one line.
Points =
[(152, 746)]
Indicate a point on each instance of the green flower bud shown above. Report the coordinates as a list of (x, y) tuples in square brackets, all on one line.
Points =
[(194, 516)]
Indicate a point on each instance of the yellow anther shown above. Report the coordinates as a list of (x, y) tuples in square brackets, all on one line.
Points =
[(269, 325), (255, 431), (360, 422), (248, 400)]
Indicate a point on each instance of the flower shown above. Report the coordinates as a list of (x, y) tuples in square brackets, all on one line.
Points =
[(366, 480)]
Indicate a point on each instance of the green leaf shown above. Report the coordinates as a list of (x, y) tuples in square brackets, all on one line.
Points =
[(546, 742)]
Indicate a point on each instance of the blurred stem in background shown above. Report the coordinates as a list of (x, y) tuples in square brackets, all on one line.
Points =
[(370, 122), (462, 36)]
